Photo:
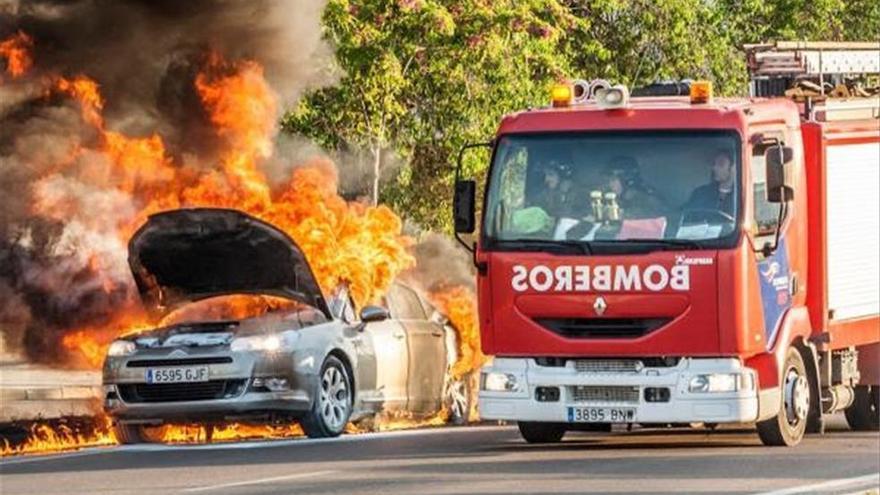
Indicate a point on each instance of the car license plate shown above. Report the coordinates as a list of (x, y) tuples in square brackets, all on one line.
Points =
[(177, 375), (601, 414)]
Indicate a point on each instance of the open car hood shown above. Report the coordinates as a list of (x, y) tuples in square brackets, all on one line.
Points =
[(185, 255)]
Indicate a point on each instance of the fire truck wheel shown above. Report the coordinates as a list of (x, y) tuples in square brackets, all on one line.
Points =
[(788, 426), (332, 404), (541, 432), (127, 434), (864, 413)]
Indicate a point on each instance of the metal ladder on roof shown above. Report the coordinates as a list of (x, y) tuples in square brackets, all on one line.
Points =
[(822, 69)]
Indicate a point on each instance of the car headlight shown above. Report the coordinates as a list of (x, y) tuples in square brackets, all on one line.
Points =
[(121, 348), (264, 343), (499, 382), (721, 382)]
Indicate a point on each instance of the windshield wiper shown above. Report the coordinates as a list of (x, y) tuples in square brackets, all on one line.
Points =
[(672, 243), (582, 247)]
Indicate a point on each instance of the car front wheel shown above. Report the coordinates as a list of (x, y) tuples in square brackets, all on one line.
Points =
[(332, 404)]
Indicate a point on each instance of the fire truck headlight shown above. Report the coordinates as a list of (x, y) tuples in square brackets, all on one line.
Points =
[(499, 382), (720, 382), (121, 348)]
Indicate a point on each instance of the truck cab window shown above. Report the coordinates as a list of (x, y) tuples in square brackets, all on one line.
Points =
[(512, 189), (614, 187), (766, 214)]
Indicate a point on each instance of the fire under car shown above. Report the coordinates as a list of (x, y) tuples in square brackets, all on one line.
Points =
[(311, 359)]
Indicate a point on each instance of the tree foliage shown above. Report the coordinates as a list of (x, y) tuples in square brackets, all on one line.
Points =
[(420, 78)]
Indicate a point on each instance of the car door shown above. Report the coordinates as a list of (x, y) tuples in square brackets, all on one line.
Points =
[(389, 340), (427, 350)]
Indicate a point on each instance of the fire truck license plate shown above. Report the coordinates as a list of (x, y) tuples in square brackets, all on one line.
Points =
[(601, 414), (177, 375)]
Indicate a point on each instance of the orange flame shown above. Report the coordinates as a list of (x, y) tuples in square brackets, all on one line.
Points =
[(45, 438), (16, 51), (221, 433), (238, 100), (85, 92), (89, 344), (459, 305), (344, 242), (362, 246), (404, 420)]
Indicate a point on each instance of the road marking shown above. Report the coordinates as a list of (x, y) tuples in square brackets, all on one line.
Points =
[(259, 481), (826, 485)]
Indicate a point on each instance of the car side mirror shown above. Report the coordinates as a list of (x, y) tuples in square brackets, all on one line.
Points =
[(463, 206), (370, 314), (780, 173)]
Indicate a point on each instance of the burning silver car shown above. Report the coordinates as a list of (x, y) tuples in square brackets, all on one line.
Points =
[(313, 360)]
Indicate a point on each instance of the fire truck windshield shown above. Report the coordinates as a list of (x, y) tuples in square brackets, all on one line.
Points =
[(676, 188)]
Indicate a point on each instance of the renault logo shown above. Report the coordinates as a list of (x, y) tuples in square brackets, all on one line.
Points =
[(600, 305)]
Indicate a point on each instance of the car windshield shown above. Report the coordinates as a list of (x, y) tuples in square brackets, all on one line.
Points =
[(667, 187)]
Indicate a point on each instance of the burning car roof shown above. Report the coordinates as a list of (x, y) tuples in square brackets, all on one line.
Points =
[(185, 255)]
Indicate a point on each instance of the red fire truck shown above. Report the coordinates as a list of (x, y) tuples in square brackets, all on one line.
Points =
[(654, 259)]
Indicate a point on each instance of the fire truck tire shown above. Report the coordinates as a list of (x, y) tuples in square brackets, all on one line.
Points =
[(815, 419), (332, 404), (127, 434), (541, 432), (864, 413), (787, 428)]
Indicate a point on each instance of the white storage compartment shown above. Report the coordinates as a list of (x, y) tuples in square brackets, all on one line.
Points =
[(853, 224)]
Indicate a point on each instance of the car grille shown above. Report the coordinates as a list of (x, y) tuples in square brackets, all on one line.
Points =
[(149, 363), (602, 328), (179, 392), (604, 394), (608, 365)]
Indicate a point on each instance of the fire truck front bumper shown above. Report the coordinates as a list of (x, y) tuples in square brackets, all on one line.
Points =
[(691, 390)]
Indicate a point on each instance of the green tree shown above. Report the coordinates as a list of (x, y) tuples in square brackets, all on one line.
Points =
[(424, 77), (755, 21), (642, 41)]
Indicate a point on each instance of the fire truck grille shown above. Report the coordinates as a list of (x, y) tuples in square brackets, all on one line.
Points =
[(602, 328), (604, 394), (179, 392), (607, 365)]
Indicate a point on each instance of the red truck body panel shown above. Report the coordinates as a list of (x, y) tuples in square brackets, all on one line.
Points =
[(723, 312), (818, 136)]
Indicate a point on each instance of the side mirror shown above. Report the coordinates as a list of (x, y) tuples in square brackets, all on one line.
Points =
[(780, 172), (463, 206), (371, 314)]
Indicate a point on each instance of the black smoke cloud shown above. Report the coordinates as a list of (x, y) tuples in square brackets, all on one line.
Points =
[(144, 54), (440, 263)]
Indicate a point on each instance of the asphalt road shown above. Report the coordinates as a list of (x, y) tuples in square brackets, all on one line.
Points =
[(464, 460)]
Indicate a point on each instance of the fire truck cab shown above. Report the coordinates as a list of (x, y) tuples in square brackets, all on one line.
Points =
[(668, 260)]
